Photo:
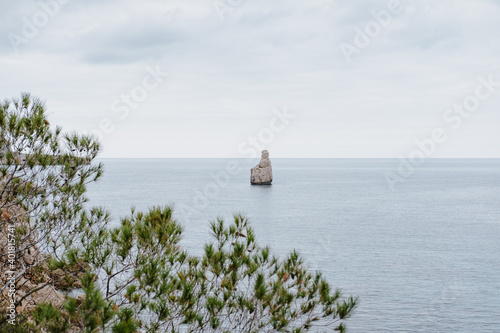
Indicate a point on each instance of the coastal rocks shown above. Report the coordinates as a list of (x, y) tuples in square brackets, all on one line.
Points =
[(262, 173), (37, 283), (48, 294)]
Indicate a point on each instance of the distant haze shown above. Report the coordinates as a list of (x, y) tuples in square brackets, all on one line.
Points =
[(316, 78)]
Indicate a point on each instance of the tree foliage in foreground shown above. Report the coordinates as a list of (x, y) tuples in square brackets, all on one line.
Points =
[(43, 179), (137, 276)]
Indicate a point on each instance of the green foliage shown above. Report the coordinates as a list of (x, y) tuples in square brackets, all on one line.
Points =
[(21, 325), (235, 286), (49, 318), (43, 179), (94, 312), (126, 322), (136, 276)]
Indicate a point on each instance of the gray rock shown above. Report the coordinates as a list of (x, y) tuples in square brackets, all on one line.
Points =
[(262, 173), (48, 294)]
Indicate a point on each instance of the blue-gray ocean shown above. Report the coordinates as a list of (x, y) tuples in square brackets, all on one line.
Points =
[(424, 257)]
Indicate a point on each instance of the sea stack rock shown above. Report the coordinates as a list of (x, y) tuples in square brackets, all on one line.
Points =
[(262, 173)]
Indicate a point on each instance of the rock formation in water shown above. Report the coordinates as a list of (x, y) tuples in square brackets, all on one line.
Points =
[(262, 173)]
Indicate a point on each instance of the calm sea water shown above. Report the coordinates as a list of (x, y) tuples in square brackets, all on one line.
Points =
[(422, 258)]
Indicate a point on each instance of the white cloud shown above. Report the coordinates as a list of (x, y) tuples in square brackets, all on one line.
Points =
[(227, 76)]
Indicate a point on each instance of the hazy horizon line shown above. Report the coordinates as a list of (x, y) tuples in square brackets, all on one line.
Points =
[(298, 158)]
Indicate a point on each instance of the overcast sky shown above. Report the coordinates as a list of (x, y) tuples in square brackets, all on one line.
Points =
[(233, 65)]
